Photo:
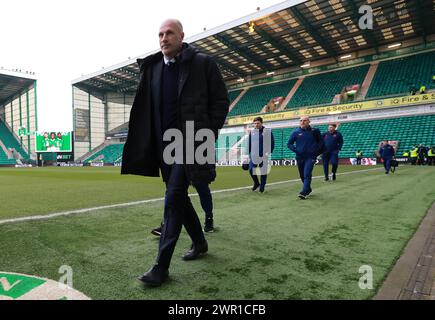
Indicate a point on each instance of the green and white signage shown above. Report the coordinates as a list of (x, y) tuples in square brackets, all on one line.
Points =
[(14, 286)]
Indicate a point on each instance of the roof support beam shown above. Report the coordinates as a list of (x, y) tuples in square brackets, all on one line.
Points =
[(98, 85), (122, 82), (241, 51), (266, 36), (425, 16), (228, 66), (368, 34), (312, 32)]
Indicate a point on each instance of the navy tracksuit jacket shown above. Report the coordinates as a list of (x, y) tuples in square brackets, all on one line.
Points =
[(333, 144), (308, 144), (387, 154)]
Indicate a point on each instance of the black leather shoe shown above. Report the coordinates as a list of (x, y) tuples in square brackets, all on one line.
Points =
[(195, 251), (157, 231), (155, 276), (255, 187)]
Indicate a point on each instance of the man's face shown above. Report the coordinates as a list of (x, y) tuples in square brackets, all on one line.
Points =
[(171, 39), (331, 129), (304, 122), (258, 124)]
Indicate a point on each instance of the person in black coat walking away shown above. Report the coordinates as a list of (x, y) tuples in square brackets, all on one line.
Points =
[(181, 90)]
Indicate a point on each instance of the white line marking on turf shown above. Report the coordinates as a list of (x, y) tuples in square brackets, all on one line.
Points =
[(128, 204)]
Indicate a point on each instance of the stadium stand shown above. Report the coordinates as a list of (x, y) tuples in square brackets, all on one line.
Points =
[(399, 75), (257, 97), (321, 88), (4, 159), (110, 154), (10, 142), (233, 95), (366, 135)]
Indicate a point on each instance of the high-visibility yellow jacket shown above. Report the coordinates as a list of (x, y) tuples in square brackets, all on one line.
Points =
[(431, 153), (414, 153)]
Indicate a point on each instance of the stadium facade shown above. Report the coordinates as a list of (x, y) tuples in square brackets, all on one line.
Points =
[(314, 57), (18, 116)]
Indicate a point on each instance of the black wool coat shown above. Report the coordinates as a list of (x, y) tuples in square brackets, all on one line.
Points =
[(202, 98)]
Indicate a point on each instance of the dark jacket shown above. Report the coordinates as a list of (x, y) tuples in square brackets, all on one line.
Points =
[(387, 151), (202, 97), (260, 146), (333, 141), (309, 143)]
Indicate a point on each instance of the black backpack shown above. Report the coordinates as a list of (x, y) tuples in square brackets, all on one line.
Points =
[(394, 163)]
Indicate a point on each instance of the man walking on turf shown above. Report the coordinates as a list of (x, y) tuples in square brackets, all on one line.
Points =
[(178, 86), (387, 154), (309, 145), (333, 141), (257, 141)]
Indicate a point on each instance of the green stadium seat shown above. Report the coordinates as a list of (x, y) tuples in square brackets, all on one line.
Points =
[(257, 97), (9, 141), (322, 88), (399, 75), (233, 95), (109, 154)]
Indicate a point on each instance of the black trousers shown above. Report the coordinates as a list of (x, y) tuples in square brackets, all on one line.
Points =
[(254, 177), (178, 212)]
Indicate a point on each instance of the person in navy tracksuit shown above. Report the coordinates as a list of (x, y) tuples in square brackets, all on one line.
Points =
[(309, 145), (387, 154), (333, 141), (256, 140)]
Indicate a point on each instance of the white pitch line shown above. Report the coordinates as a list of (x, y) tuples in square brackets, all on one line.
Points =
[(127, 204)]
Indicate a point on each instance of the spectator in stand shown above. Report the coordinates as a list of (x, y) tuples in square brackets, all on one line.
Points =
[(422, 89), (413, 90)]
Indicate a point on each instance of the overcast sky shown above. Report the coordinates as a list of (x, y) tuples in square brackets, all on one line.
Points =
[(60, 40)]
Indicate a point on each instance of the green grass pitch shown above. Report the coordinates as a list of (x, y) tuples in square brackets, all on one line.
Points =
[(266, 246)]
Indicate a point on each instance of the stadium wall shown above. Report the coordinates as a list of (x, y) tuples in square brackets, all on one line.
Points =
[(94, 115), (118, 109), (20, 112)]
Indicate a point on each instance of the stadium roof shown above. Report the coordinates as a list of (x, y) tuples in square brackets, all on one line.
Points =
[(288, 35), (12, 83)]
